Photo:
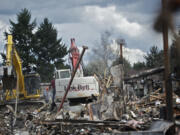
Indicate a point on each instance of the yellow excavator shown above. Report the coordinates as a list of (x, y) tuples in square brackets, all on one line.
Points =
[(15, 84)]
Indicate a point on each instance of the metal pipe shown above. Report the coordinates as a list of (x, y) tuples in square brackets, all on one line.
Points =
[(122, 74), (167, 75), (121, 52), (72, 77)]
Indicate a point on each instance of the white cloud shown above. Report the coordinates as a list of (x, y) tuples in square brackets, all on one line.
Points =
[(3, 28), (108, 17), (132, 55), (83, 33), (137, 34)]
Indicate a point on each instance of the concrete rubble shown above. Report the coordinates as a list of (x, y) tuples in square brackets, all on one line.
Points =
[(94, 118), (114, 112)]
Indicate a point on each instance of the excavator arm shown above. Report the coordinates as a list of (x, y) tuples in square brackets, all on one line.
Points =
[(9, 51), (18, 68), (13, 60), (14, 82)]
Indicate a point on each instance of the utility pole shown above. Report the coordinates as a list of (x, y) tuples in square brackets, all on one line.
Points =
[(167, 74), (121, 42), (121, 52)]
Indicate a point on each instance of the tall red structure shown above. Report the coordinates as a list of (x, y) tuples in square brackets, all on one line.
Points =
[(74, 51)]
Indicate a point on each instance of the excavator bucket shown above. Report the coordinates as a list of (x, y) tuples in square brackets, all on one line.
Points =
[(8, 79)]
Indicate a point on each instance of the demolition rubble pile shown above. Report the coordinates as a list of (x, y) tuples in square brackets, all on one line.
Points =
[(111, 113), (114, 111), (11, 121), (5, 121), (116, 104), (138, 114), (107, 115)]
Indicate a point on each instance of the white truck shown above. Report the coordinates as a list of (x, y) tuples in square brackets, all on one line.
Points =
[(81, 87)]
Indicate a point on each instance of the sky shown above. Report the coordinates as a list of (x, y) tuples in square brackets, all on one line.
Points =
[(86, 20)]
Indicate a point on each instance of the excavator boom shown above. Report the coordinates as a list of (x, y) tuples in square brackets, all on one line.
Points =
[(14, 81)]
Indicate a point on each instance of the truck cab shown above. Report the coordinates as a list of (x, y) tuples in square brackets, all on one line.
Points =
[(61, 74)]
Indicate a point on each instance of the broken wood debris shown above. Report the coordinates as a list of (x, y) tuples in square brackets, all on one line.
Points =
[(106, 115)]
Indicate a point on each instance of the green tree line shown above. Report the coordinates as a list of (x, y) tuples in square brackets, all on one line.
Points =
[(37, 44), (155, 58)]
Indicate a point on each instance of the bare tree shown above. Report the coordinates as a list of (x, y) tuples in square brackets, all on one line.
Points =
[(103, 51)]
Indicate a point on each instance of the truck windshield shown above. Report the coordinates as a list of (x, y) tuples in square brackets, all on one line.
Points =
[(65, 74)]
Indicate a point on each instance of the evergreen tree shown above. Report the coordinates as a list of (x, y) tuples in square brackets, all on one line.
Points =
[(154, 58), (22, 33), (139, 66), (49, 51), (174, 56)]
